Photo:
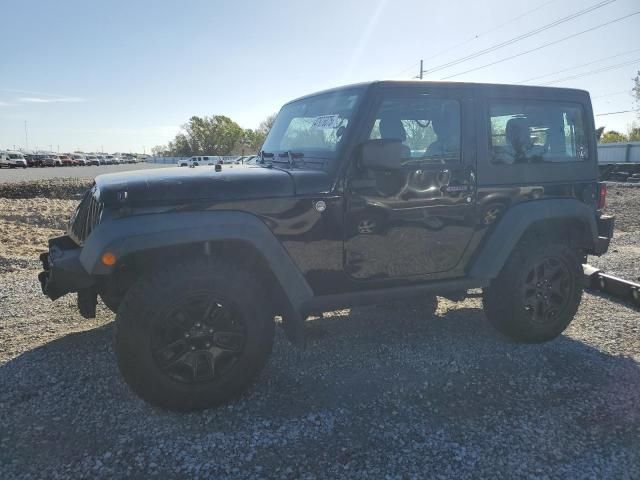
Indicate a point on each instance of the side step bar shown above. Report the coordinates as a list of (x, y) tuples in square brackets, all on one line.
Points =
[(596, 279)]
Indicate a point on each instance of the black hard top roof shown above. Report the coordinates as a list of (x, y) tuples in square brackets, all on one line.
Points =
[(557, 91)]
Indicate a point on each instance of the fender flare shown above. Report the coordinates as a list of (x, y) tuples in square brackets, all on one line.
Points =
[(493, 254), (126, 236)]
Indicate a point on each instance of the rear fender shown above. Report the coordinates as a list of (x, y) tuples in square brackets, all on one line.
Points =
[(495, 250)]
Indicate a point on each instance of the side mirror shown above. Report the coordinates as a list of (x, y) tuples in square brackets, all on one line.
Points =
[(381, 154)]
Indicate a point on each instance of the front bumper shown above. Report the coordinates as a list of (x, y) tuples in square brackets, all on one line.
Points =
[(62, 271), (605, 233)]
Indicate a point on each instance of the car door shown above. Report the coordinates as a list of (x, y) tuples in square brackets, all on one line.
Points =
[(415, 220)]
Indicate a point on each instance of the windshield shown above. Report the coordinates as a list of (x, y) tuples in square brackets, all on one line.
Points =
[(313, 125), (15, 155)]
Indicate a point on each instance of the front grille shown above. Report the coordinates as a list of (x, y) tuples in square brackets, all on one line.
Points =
[(86, 216)]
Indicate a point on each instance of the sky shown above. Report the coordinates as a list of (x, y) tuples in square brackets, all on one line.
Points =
[(122, 76)]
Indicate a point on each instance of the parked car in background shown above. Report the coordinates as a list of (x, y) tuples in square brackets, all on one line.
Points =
[(67, 160), (199, 160), (33, 160), (92, 160), (80, 159), (108, 159), (52, 161), (250, 160), (12, 159)]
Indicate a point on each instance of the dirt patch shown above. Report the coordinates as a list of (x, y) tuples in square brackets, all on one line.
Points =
[(64, 188), (27, 224)]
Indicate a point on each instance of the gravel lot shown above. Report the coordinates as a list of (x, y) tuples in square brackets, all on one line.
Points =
[(380, 392), (18, 174)]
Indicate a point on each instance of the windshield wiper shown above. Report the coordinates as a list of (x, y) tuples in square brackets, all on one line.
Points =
[(291, 155)]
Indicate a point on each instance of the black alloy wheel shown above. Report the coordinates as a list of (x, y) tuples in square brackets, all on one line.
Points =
[(199, 340), (547, 290)]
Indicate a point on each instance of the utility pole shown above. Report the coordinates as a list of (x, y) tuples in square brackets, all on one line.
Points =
[(26, 136), (421, 70)]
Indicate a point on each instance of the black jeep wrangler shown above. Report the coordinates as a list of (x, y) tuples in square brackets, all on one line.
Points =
[(362, 194)]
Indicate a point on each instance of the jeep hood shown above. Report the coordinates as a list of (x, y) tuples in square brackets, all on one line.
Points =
[(176, 185)]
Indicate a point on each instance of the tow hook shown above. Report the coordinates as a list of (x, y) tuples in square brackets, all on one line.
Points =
[(626, 290), (87, 301)]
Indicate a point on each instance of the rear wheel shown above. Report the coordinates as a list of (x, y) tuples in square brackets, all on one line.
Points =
[(189, 337), (537, 293)]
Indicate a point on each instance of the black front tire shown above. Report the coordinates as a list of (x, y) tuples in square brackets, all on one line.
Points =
[(172, 377), (537, 293), (112, 302)]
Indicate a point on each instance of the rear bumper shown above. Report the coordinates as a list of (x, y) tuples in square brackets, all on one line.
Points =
[(605, 233), (62, 271)]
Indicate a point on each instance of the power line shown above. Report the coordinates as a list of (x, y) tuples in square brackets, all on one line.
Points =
[(413, 65), (491, 30), (521, 37), (613, 113), (609, 57), (611, 94), (624, 17), (593, 72)]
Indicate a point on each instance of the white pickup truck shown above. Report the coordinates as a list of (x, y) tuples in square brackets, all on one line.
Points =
[(12, 159), (199, 160)]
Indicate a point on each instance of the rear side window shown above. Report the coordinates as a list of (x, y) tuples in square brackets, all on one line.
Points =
[(536, 132)]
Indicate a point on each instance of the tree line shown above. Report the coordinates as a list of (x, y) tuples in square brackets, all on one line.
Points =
[(633, 134), (215, 135)]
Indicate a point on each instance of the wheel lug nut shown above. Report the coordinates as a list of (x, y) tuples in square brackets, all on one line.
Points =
[(186, 335), (208, 345), (211, 330), (197, 325), (192, 347)]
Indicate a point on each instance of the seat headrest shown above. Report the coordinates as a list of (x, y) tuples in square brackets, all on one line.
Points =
[(446, 121), (517, 133), (391, 128)]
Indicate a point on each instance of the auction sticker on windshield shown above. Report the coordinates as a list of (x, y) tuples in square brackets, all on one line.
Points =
[(326, 121)]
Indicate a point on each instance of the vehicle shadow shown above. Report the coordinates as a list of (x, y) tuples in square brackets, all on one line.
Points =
[(625, 302), (375, 364), (455, 361)]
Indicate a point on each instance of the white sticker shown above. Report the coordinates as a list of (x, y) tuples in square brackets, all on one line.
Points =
[(326, 121)]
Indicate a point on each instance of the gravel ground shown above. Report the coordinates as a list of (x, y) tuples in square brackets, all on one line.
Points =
[(380, 392)]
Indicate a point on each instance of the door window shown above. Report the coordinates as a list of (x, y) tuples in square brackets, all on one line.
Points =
[(536, 132), (428, 127)]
